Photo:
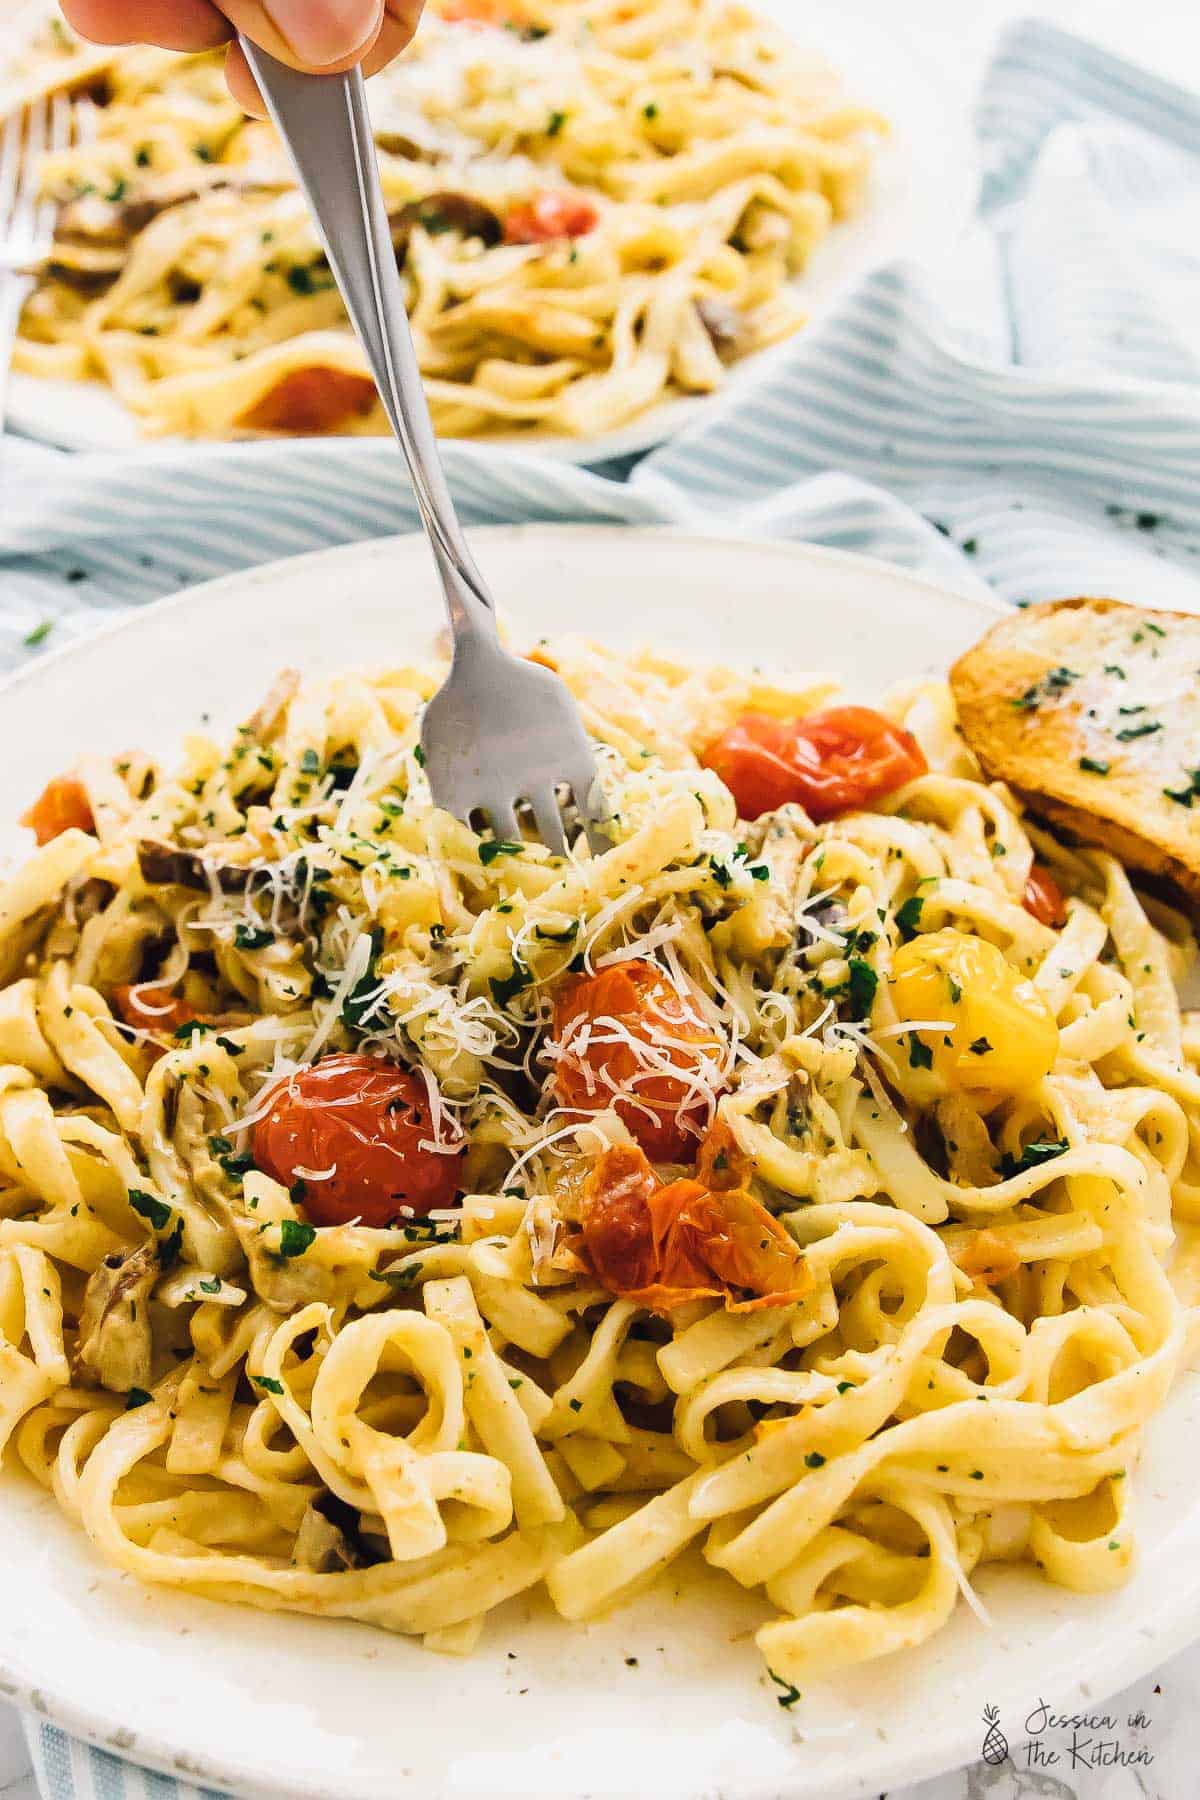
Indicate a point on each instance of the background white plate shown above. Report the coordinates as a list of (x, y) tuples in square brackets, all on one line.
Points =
[(921, 194), (271, 1704)]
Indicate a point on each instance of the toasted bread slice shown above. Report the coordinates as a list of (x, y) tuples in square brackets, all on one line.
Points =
[(1090, 711)]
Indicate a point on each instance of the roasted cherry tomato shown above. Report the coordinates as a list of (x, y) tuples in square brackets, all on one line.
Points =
[(62, 805), (664, 1245), (619, 1034), (550, 214), (1044, 898), (368, 1123), (313, 400), (151, 1006), (830, 762)]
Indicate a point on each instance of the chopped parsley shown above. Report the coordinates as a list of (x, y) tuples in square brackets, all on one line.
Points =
[(920, 1054), (1032, 1156), (495, 847), (1187, 795), (137, 1397), (308, 278), (861, 987), (295, 1238), (505, 987), (980, 1047), (268, 1382), (38, 635), (908, 917), (235, 1163), (790, 1693), (252, 937), (147, 1207), (1091, 766), (210, 1287), (310, 763), (555, 123), (1047, 688), (814, 1460), (1146, 729), (364, 995)]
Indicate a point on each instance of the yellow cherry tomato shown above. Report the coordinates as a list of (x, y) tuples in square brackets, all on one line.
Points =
[(999, 1034)]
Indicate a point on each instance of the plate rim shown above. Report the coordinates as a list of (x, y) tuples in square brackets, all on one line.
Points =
[(1117, 1659)]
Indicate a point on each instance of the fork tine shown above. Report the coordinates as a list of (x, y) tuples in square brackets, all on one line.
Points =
[(10, 162), (549, 821), (503, 820), (25, 211), (85, 113), (60, 138)]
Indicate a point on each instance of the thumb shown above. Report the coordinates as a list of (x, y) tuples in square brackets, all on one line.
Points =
[(310, 34)]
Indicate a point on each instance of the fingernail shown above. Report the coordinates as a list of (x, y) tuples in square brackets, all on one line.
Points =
[(321, 32)]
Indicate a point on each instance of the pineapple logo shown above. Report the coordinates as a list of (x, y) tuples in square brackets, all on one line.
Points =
[(995, 1744)]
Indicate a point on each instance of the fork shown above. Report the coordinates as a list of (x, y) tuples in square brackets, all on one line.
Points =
[(501, 732), (26, 221)]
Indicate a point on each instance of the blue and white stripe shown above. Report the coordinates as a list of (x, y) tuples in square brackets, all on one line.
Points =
[(1025, 414)]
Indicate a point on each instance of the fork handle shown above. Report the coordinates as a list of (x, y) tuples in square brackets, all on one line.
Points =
[(326, 130)]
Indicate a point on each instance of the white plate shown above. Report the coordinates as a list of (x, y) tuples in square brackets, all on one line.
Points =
[(921, 194), (270, 1704)]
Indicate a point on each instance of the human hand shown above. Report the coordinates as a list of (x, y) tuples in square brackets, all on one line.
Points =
[(319, 35)]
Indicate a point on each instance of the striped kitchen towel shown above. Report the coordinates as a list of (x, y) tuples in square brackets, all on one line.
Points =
[(1024, 413)]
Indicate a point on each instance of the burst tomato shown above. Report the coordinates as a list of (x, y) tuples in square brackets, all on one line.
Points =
[(1044, 898), (312, 401), (664, 1245), (62, 805), (830, 762), (368, 1122), (550, 215), (627, 1038), (151, 1007)]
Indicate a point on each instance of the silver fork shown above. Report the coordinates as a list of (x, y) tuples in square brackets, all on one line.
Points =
[(501, 732), (26, 221)]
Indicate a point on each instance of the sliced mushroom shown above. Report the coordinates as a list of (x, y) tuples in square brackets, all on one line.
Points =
[(115, 1346), (164, 865), (436, 213), (95, 220), (727, 326), (330, 1538)]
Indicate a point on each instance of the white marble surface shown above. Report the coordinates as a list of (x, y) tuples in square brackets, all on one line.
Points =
[(1151, 1748)]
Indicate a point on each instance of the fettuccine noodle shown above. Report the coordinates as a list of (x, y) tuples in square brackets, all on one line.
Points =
[(405, 1420)]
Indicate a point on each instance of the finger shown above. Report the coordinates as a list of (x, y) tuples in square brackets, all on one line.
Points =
[(394, 36), (323, 35), (407, 14), (172, 24)]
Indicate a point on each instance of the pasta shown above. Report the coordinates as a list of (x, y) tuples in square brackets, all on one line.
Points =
[(596, 202), (393, 1219)]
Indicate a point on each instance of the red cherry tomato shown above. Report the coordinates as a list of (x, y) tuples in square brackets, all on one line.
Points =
[(620, 1034), (1044, 898), (61, 805), (152, 1006), (550, 215), (367, 1121), (313, 400), (664, 1245), (830, 762)]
